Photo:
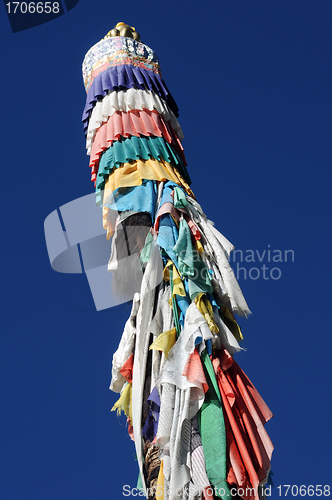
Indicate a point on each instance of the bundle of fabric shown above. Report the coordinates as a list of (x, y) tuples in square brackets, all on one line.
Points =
[(196, 419)]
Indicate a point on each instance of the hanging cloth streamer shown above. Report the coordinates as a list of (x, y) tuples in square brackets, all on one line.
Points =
[(124, 403), (165, 341)]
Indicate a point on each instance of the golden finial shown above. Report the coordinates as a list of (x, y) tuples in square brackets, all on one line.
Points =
[(123, 29)]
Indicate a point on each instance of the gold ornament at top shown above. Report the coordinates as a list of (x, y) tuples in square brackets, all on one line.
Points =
[(122, 29)]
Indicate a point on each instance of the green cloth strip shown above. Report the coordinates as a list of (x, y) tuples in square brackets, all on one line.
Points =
[(174, 304), (213, 433), (190, 264), (180, 199), (139, 483), (137, 148)]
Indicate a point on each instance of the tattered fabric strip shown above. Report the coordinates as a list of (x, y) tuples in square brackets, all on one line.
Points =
[(229, 320), (149, 430), (137, 198), (127, 369), (190, 263), (125, 348), (144, 317), (204, 306), (179, 198), (165, 341), (124, 403), (217, 251), (161, 482), (168, 207), (199, 477), (246, 421), (194, 372), (213, 435)]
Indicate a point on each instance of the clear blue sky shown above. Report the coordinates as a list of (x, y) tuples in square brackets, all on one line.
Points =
[(252, 80)]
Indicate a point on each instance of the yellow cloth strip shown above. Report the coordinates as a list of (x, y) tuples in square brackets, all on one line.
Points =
[(204, 306), (166, 271), (178, 286), (109, 219), (160, 488), (124, 403), (231, 323), (199, 246), (132, 174), (165, 341)]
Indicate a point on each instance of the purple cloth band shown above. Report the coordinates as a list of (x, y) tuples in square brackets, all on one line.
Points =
[(126, 77), (150, 427)]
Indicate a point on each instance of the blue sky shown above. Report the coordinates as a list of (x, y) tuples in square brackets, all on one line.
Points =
[(253, 84)]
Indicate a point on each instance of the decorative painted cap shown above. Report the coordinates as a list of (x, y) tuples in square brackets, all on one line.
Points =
[(117, 51)]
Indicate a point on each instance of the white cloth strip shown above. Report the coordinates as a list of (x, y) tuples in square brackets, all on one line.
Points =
[(127, 100)]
